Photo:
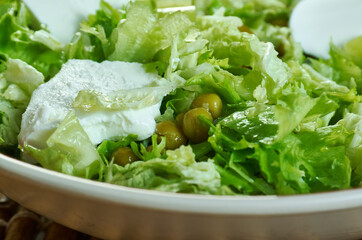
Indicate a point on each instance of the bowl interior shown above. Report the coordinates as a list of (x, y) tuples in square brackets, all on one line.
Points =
[(20, 171)]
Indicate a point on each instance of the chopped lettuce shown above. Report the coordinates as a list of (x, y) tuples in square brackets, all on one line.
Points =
[(214, 79), (131, 41), (245, 51), (10, 123), (341, 69), (21, 39), (69, 150), (21, 80), (17, 82), (290, 124), (179, 172), (91, 100), (28, 56), (354, 50), (299, 163), (135, 35), (106, 148), (268, 20), (352, 122)]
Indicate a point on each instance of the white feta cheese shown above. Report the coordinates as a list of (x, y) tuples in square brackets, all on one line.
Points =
[(52, 101)]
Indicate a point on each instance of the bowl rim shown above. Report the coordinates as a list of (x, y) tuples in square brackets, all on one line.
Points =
[(179, 202)]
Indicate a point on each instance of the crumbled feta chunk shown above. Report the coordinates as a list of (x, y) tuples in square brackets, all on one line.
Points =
[(52, 101)]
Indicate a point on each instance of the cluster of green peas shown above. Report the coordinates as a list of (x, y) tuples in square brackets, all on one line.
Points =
[(186, 127)]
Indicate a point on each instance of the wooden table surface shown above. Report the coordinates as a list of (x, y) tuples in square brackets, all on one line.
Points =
[(18, 223)]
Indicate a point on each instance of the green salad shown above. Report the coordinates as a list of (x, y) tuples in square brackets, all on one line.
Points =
[(248, 112)]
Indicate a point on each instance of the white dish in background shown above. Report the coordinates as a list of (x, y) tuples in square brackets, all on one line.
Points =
[(62, 18), (114, 212), (315, 23)]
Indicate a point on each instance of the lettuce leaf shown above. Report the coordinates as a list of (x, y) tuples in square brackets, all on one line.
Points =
[(354, 50), (317, 84), (131, 41), (17, 82), (268, 20), (10, 118), (20, 80), (91, 100), (18, 40), (177, 173), (269, 123), (305, 163), (298, 163), (291, 144), (352, 122), (106, 148), (69, 150), (320, 115), (214, 79), (245, 51), (340, 68)]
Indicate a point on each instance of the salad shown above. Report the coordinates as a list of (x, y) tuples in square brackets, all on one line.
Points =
[(238, 108)]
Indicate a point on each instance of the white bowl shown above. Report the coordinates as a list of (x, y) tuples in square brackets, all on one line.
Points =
[(115, 212)]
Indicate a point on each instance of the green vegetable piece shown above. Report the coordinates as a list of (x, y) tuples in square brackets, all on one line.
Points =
[(69, 150)]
